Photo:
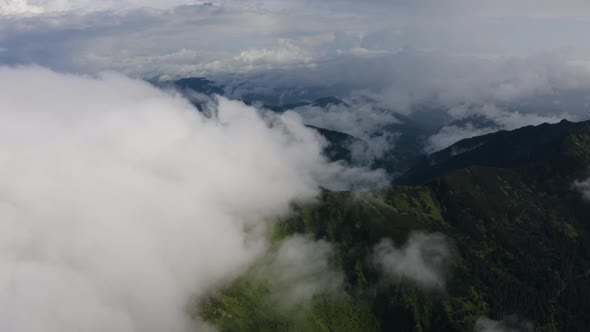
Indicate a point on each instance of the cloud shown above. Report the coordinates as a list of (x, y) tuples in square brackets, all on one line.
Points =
[(407, 52), (297, 270), (169, 38), (480, 120), (464, 97), (424, 260), (119, 202), (510, 324), (360, 119), (419, 78), (459, 98), (407, 80), (39, 7), (401, 56), (142, 37), (583, 187), (285, 54), (449, 135)]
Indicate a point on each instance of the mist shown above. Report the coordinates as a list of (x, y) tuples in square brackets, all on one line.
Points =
[(359, 119), (480, 120), (120, 202), (582, 187), (298, 269), (510, 324), (425, 260)]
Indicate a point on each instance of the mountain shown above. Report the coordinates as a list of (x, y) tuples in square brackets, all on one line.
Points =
[(320, 102), (546, 150), (408, 147), (327, 101), (518, 231), (339, 144), (286, 107), (198, 84), (410, 135), (398, 158)]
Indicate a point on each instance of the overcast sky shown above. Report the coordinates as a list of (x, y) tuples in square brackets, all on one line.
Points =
[(184, 37), (527, 54)]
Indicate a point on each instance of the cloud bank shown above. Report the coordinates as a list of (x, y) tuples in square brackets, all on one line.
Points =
[(119, 201)]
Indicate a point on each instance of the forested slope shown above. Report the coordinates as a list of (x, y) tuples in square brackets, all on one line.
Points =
[(518, 233)]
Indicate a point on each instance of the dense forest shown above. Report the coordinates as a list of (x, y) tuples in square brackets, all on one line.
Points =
[(517, 229)]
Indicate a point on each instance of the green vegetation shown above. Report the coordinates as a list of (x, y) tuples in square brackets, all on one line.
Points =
[(520, 238)]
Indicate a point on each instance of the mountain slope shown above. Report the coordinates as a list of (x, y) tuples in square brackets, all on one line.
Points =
[(519, 234), (546, 150), (339, 144)]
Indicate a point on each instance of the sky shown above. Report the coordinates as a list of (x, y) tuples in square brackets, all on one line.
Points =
[(339, 44), (184, 38), (402, 53)]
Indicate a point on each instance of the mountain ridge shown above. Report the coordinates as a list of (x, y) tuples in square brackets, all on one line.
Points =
[(505, 149), (521, 248)]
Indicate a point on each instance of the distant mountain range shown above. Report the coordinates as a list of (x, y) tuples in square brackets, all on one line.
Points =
[(410, 135), (411, 132)]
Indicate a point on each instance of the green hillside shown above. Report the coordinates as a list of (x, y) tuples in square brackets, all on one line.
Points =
[(519, 237)]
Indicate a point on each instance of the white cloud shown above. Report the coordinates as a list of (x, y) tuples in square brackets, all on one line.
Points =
[(144, 37), (286, 53), (297, 270), (397, 53), (119, 202), (583, 187), (360, 119), (424, 260), (484, 324), (511, 324), (184, 37), (283, 55), (493, 118), (38, 7), (449, 135), (8, 7)]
